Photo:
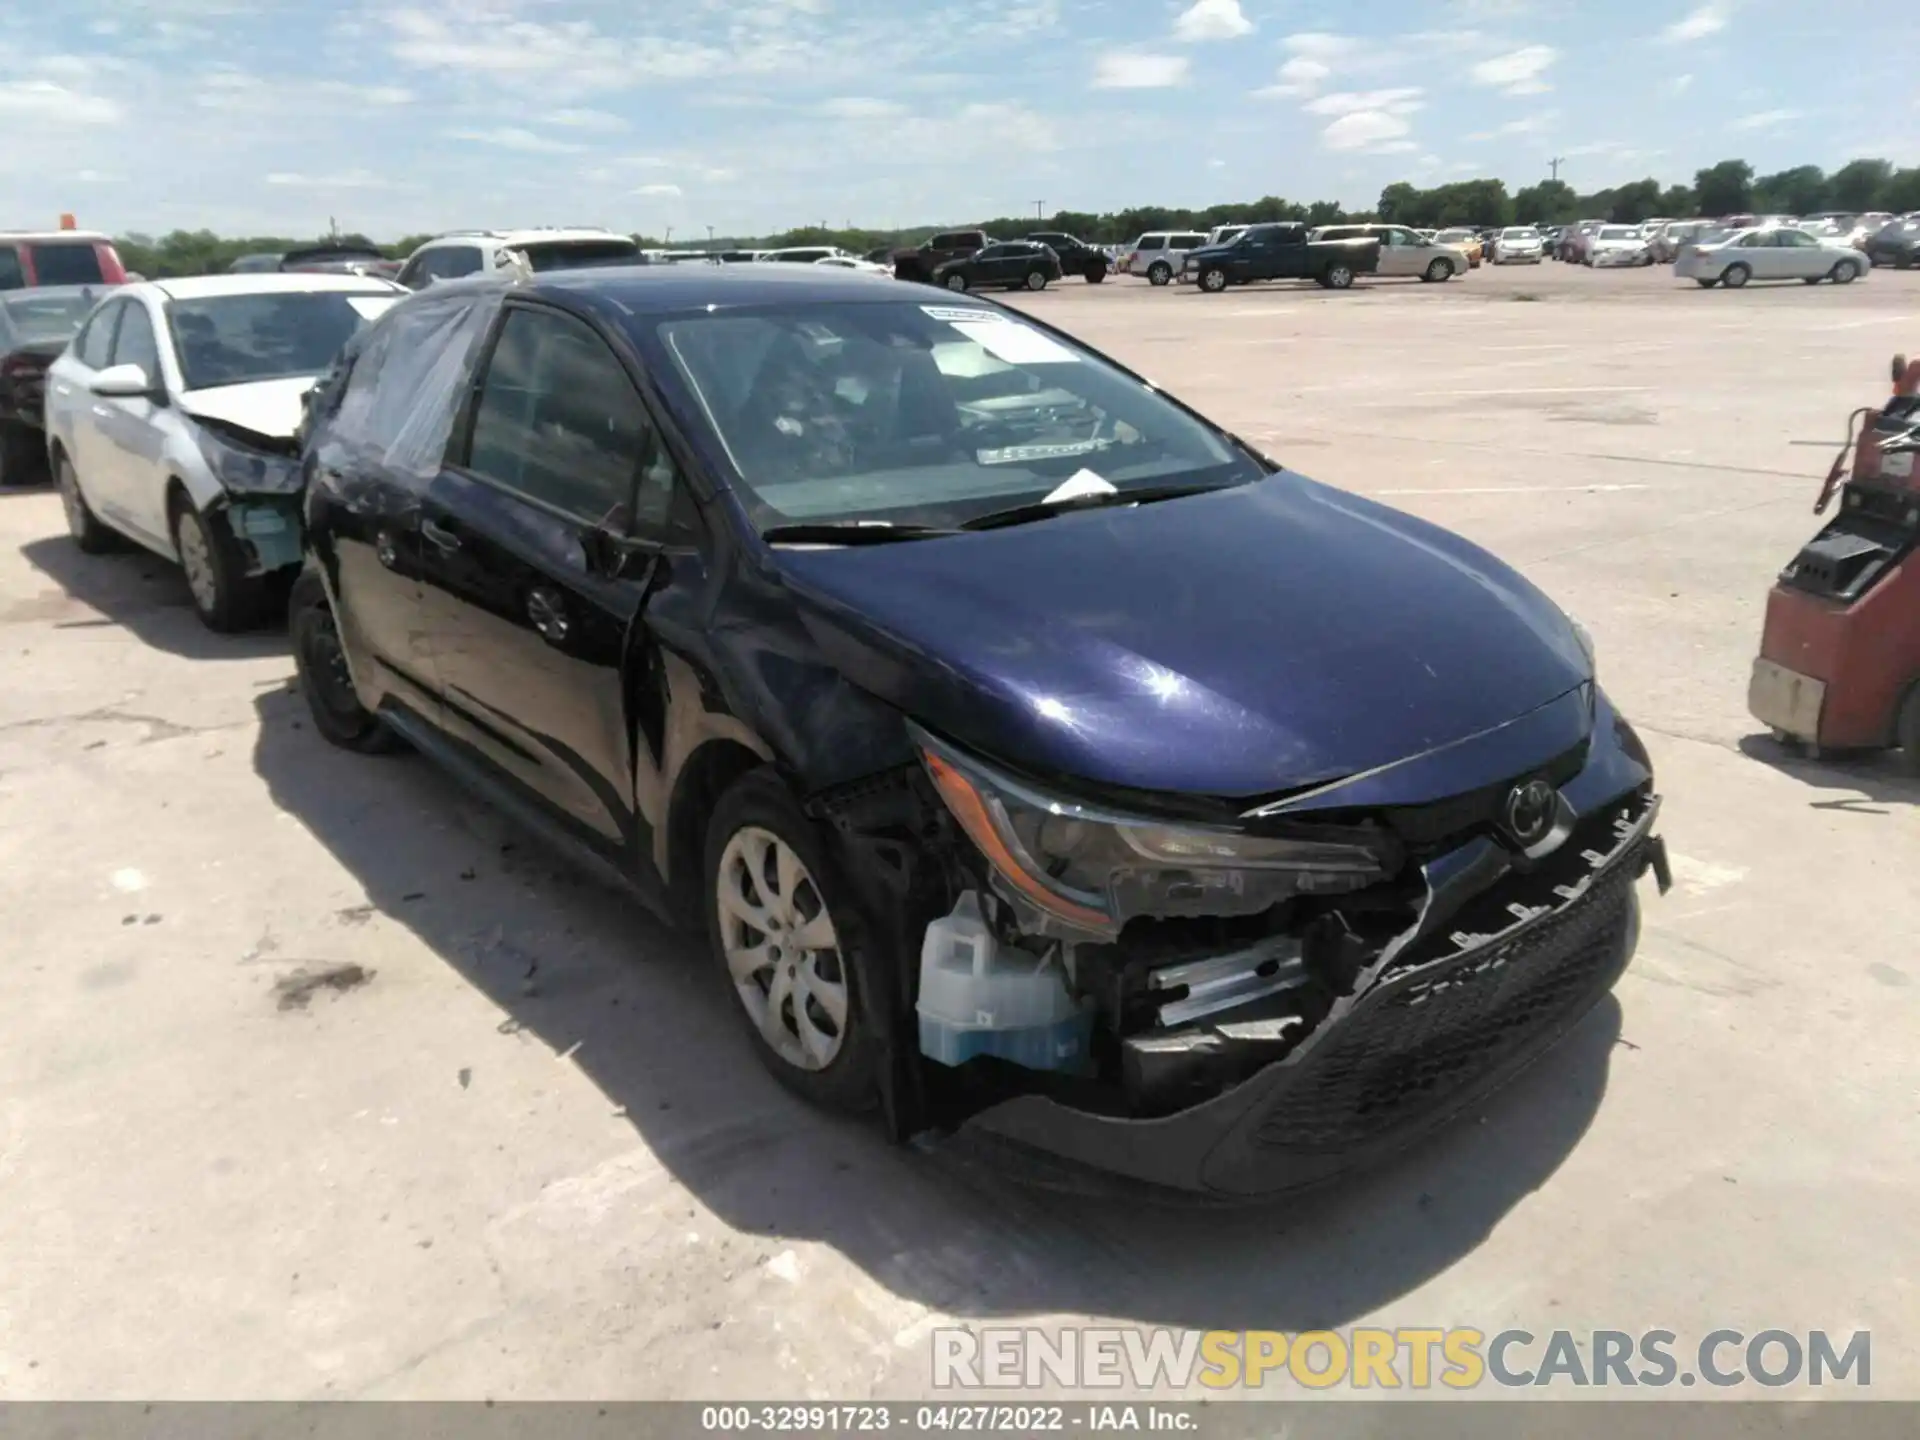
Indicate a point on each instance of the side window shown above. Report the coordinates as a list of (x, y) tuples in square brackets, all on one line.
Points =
[(1756, 241), (992, 252), (12, 276), (93, 347), (450, 263), (135, 345), (556, 418)]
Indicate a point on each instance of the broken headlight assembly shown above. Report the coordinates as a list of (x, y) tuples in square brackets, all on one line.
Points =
[(1074, 868)]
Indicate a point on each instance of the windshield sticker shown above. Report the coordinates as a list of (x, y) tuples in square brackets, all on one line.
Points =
[(372, 307), (1082, 482), (949, 312), (1014, 343)]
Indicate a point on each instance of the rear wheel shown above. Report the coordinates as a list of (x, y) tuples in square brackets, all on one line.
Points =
[(83, 525), (956, 281), (780, 925), (1159, 273), (225, 597), (1734, 276), (23, 456), (1036, 280), (321, 661), (1096, 274), (1706, 282), (1338, 277), (1811, 279)]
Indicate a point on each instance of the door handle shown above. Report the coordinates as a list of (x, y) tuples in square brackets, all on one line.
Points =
[(548, 612), (438, 536)]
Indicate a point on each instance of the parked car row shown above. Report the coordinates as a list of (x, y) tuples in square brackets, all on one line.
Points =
[(549, 526)]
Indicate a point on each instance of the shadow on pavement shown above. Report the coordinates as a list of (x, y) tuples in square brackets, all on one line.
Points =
[(576, 963), (148, 596), (1873, 778)]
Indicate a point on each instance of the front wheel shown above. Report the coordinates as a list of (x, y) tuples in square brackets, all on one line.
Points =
[(1213, 279), (225, 597), (1440, 270), (1844, 273), (1159, 273), (321, 663), (1706, 282), (956, 281), (778, 920), (1734, 276), (1338, 277)]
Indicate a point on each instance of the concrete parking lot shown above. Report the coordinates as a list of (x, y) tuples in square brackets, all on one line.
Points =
[(318, 1079)]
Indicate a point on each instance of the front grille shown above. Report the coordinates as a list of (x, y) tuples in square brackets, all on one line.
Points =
[(1403, 1054)]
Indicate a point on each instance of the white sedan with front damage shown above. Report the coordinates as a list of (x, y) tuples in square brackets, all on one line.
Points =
[(1618, 246), (172, 419), (1780, 252)]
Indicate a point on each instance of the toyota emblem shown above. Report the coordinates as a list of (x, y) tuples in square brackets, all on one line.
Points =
[(1529, 813)]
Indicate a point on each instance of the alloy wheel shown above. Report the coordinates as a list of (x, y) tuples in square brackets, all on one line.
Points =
[(781, 949), (196, 558)]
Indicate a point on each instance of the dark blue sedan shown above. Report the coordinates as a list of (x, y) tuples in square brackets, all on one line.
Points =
[(1047, 767)]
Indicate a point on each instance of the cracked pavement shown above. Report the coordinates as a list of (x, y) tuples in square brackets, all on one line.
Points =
[(508, 1142)]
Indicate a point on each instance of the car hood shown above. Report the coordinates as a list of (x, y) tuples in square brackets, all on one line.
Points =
[(272, 408), (1244, 643)]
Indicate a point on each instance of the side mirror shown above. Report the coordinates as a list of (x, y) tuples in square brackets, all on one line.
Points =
[(124, 382)]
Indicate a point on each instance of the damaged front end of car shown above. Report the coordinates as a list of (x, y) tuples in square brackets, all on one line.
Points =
[(1245, 1000), (263, 484)]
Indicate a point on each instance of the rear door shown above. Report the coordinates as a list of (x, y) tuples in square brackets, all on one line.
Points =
[(530, 631)]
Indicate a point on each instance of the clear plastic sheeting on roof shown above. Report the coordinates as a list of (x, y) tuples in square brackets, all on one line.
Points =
[(405, 377)]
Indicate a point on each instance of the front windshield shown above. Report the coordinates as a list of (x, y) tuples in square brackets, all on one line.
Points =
[(51, 314), (926, 414), (1520, 234), (1454, 235), (1619, 232), (277, 335), (580, 254)]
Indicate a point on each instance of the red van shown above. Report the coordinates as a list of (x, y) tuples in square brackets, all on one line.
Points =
[(30, 258)]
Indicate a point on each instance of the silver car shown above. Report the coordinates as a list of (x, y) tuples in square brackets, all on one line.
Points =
[(1403, 252), (1617, 246), (1778, 252), (172, 416), (1161, 254)]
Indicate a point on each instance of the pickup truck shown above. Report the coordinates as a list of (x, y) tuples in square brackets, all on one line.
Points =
[(1282, 251), (919, 264), (1076, 256)]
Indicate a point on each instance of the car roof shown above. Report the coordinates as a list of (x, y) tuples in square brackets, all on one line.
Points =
[(532, 236), (208, 287), (9, 236), (621, 292)]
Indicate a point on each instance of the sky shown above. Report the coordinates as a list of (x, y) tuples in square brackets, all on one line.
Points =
[(750, 116)]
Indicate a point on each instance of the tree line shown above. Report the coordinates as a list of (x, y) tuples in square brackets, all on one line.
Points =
[(1728, 188)]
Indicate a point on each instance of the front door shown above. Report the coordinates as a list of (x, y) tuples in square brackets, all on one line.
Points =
[(129, 467), (531, 627)]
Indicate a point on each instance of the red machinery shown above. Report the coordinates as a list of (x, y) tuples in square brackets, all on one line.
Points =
[(1839, 663)]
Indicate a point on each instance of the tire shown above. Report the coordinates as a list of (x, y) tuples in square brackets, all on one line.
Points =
[(324, 678), (956, 281), (1213, 279), (89, 535), (1906, 732), (1706, 282), (23, 455), (1903, 262), (1096, 275), (1811, 279), (1338, 277), (1844, 273), (225, 597), (1159, 273), (1036, 280), (1439, 272), (758, 843), (1734, 276)]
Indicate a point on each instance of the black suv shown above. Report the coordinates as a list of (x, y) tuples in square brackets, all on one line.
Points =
[(1010, 264), (1076, 256)]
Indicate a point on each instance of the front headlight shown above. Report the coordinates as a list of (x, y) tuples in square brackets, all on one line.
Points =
[(1093, 869)]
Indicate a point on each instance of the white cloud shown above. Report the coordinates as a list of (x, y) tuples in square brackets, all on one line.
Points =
[(658, 190), (861, 107), (1212, 20), (344, 180), (1708, 20), (1535, 124), (1216, 164), (1680, 83), (1312, 58), (571, 119), (512, 137), (1517, 72), (1364, 130), (1403, 101), (1124, 71), (44, 101), (1299, 76), (1764, 119)]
